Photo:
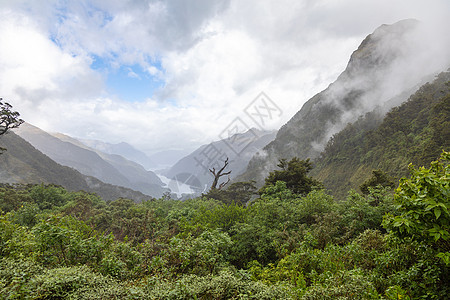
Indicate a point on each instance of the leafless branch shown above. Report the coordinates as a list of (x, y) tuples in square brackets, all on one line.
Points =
[(218, 174)]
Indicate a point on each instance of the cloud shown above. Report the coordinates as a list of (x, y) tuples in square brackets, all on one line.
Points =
[(34, 70), (133, 74), (212, 57)]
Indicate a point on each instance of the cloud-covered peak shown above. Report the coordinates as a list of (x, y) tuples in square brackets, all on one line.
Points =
[(191, 67)]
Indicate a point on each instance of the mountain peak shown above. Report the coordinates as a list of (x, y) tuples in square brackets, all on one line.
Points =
[(389, 64), (380, 48)]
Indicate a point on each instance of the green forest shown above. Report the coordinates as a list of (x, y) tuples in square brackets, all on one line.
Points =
[(415, 132), (288, 243)]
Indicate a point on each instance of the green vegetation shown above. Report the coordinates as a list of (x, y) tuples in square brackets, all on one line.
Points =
[(415, 132), (237, 192), (8, 119), (56, 244), (294, 174), (379, 178)]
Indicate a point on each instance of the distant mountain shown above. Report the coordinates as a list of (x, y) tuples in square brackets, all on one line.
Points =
[(111, 169), (122, 149), (388, 66), (140, 179), (167, 158), (239, 149), (415, 132), (22, 163)]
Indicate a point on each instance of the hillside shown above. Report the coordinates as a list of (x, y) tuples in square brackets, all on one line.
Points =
[(138, 177), (123, 149), (388, 66), (22, 163), (112, 169), (415, 132)]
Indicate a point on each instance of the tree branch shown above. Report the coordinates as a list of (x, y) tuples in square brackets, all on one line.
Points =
[(219, 174)]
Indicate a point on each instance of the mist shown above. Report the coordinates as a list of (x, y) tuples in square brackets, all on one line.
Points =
[(391, 64)]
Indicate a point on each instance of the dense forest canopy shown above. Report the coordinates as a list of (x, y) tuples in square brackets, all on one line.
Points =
[(283, 245)]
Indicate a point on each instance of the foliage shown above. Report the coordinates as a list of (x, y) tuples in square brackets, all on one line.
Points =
[(15, 276), (423, 204), (379, 178), (342, 285), (283, 245), (294, 173), (224, 285), (237, 192), (8, 119), (415, 132)]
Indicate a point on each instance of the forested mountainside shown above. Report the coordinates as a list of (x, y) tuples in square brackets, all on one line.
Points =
[(22, 163), (111, 169), (415, 132), (388, 66)]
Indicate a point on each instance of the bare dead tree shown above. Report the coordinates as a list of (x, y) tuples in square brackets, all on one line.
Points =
[(219, 174)]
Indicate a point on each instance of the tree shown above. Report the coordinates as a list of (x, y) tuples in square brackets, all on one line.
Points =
[(237, 192), (378, 178), (294, 173), (8, 119), (423, 205), (218, 174)]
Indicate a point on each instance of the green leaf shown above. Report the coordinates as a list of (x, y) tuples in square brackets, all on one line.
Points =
[(437, 213)]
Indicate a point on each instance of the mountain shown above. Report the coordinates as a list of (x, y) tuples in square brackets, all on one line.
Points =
[(167, 158), (388, 66), (415, 132), (123, 149), (111, 169), (139, 179), (22, 163), (193, 169)]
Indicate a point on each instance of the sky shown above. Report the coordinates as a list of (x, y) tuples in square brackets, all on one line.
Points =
[(177, 74)]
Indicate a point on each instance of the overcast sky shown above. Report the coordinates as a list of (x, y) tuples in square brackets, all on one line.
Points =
[(175, 74)]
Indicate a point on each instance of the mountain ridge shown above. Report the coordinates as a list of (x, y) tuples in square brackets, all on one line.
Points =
[(376, 75), (108, 168), (24, 164), (123, 149), (415, 132)]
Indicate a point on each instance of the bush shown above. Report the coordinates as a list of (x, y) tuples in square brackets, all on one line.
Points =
[(342, 285), (225, 285), (423, 204), (79, 283), (14, 277)]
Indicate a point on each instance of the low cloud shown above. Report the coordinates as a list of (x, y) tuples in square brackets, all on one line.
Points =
[(213, 58)]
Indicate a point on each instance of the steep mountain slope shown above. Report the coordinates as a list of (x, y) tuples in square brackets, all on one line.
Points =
[(111, 169), (415, 132), (388, 66), (197, 164), (140, 179), (22, 163)]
